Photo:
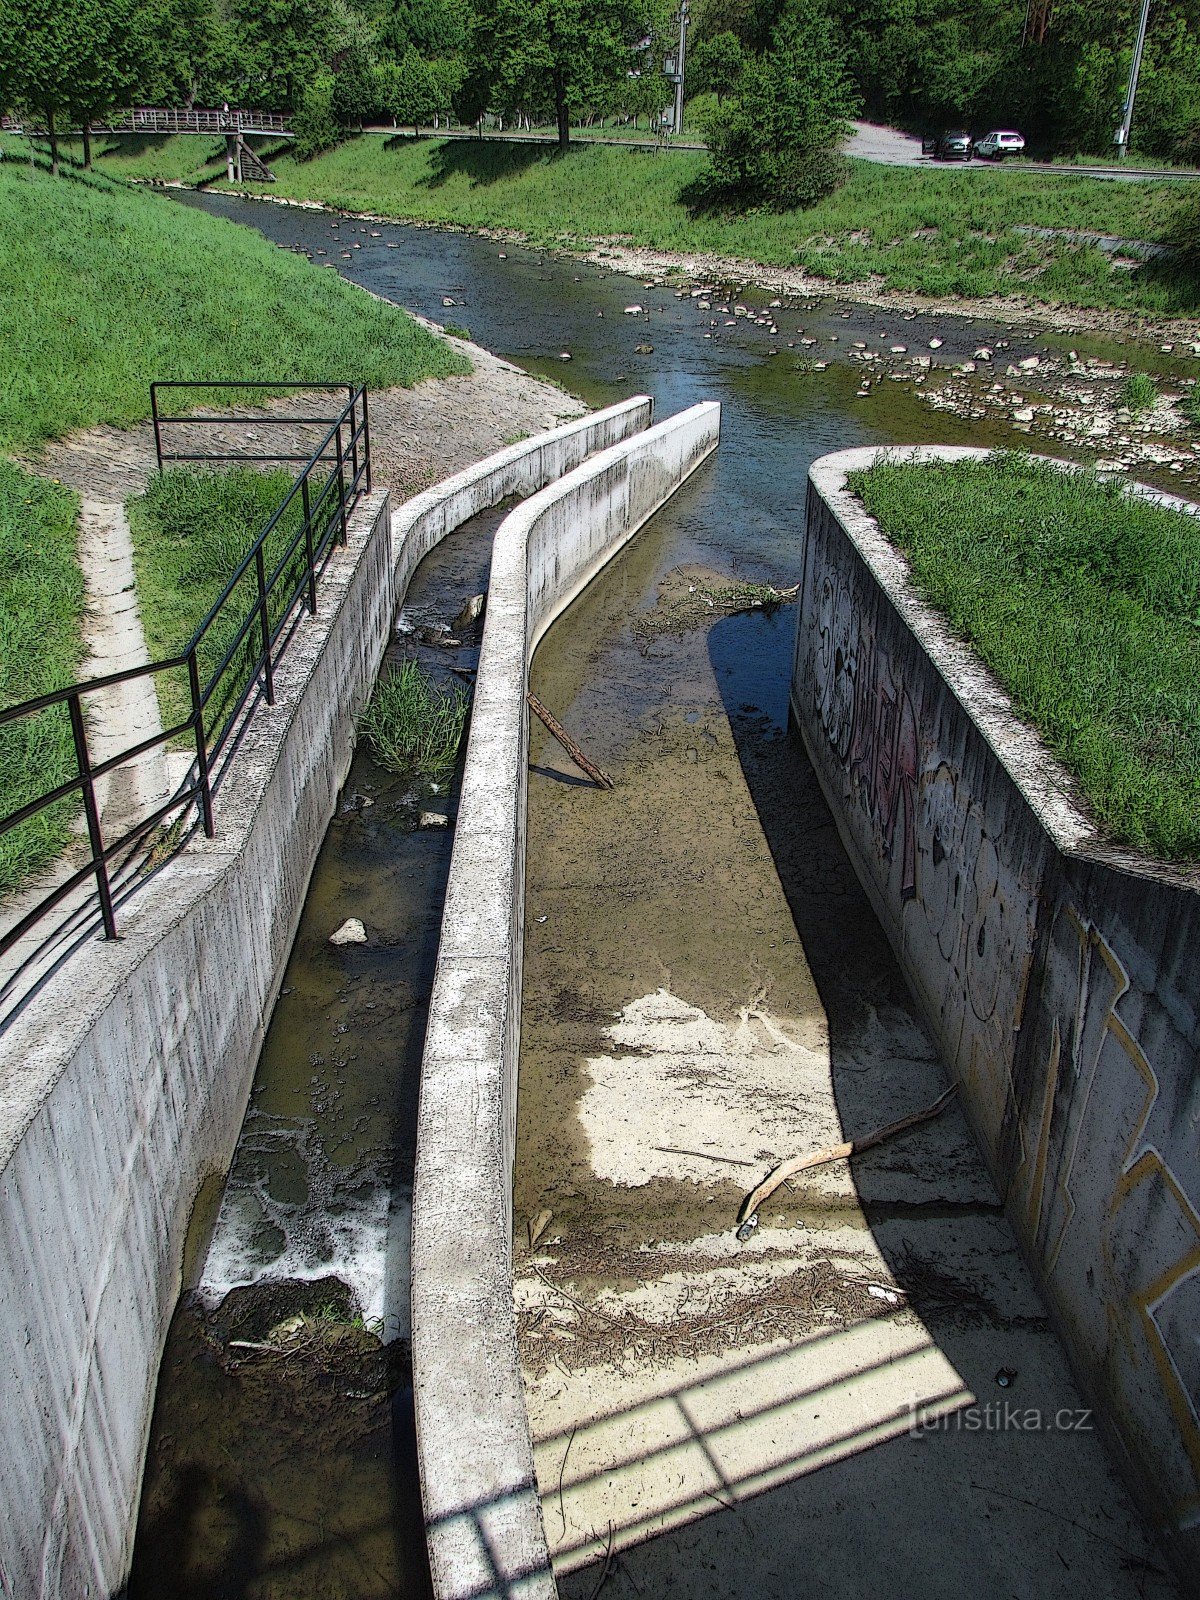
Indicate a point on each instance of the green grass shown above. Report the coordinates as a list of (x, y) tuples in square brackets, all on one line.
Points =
[(1138, 392), (930, 232), (411, 726), (190, 530), (106, 288), (41, 612), (1085, 602)]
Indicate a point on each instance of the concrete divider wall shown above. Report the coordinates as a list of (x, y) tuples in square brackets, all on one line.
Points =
[(124, 1083), (1061, 978), (483, 1517)]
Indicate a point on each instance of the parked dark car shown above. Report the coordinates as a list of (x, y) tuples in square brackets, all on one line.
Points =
[(954, 145)]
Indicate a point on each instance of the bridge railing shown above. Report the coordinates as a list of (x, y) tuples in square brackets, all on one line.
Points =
[(231, 656), (168, 119)]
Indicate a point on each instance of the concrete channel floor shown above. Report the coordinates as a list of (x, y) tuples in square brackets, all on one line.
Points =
[(866, 1398)]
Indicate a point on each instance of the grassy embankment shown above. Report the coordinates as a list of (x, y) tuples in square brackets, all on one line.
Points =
[(41, 613), (928, 232), (1085, 602), (105, 289)]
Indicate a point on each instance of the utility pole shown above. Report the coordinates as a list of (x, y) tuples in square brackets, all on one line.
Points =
[(1122, 140), (677, 122)]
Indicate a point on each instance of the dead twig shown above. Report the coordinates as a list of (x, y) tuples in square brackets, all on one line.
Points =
[(838, 1152), (562, 1513), (607, 1568), (600, 779)]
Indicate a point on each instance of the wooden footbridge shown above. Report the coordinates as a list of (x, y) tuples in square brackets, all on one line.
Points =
[(235, 127)]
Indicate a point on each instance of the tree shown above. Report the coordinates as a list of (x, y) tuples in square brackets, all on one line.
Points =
[(716, 65), (567, 53), (68, 63), (285, 44), (314, 123), (411, 93), (777, 143)]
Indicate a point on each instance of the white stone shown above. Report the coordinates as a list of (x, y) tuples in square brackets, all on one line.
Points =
[(350, 932)]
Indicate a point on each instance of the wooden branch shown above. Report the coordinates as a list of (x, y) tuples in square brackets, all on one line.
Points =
[(839, 1152), (600, 779)]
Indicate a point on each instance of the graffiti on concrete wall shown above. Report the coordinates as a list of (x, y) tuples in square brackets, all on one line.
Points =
[(1099, 1185), (867, 715)]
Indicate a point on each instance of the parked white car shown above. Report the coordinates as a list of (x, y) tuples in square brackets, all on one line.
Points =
[(998, 144)]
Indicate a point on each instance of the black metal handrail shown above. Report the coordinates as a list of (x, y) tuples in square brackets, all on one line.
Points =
[(281, 586)]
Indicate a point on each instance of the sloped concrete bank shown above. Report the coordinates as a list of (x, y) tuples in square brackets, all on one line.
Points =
[(123, 1086), (1060, 978), (479, 1490)]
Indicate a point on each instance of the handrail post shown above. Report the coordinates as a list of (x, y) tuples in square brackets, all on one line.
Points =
[(308, 545), (366, 438), (157, 424), (341, 472), (268, 673), (353, 448), (206, 805), (91, 812)]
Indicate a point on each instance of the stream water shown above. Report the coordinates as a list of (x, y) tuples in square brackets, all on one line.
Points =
[(277, 1474)]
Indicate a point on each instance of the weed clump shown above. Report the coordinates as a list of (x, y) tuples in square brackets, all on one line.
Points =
[(411, 726), (1138, 392)]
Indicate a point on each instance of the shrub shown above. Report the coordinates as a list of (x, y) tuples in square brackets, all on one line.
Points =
[(315, 123), (412, 726), (1138, 392), (776, 144)]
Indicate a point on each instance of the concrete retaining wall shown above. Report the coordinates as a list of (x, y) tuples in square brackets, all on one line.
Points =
[(1061, 979), (123, 1085), (483, 1517)]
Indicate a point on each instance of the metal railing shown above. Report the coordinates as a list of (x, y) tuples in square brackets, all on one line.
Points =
[(236, 648), (169, 119)]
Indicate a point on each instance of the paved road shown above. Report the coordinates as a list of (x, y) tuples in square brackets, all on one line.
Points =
[(891, 148), (870, 141)]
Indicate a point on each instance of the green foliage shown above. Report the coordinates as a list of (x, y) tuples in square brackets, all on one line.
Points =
[(1085, 602), (776, 143), (41, 614), (557, 55), (413, 727), (1138, 392), (715, 66), (72, 62), (315, 123), (190, 531), (108, 288), (409, 90)]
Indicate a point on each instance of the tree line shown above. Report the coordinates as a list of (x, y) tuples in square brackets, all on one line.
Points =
[(771, 83)]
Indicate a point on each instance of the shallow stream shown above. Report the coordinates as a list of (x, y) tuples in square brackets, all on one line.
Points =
[(713, 876)]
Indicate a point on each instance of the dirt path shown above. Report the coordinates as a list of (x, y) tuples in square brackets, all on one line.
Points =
[(418, 435)]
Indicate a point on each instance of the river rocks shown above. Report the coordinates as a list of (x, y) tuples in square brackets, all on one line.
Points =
[(470, 614), (643, 349), (936, 344), (1023, 414), (350, 932), (433, 819), (632, 311), (983, 353), (1030, 363)]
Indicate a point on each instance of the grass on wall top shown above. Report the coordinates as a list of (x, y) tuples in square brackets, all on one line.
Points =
[(1085, 602), (931, 232), (106, 288)]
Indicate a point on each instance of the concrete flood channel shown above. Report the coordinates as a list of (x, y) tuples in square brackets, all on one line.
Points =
[(863, 1397)]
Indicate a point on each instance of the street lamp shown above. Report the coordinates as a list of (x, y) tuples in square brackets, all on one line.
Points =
[(1122, 138), (673, 67)]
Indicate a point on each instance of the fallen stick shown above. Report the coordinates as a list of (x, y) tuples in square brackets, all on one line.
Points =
[(838, 1152), (600, 779)]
